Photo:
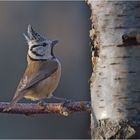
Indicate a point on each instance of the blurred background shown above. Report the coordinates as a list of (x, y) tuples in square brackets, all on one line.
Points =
[(69, 22)]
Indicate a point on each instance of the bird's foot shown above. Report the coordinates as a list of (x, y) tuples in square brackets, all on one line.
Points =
[(66, 102), (41, 103)]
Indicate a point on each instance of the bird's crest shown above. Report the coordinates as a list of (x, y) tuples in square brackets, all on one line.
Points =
[(33, 36)]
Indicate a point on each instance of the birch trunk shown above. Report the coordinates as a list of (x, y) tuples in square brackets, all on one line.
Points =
[(115, 82)]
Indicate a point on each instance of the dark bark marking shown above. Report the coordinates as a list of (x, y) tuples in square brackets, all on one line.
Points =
[(101, 107), (98, 95), (125, 56), (107, 15), (130, 40), (104, 78), (119, 78), (120, 110), (131, 108), (117, 95), (100, 73), (131, 71), (121, 15), (125, 98), (114, 63), (122, 27), (96, 52), (128, 72), (103, 67)]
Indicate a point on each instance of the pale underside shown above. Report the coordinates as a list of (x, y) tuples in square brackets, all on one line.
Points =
[(45, 88)]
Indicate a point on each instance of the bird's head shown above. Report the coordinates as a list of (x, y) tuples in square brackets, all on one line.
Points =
[(39, 47)]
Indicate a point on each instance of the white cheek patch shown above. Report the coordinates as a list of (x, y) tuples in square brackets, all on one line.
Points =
[(39, 50)]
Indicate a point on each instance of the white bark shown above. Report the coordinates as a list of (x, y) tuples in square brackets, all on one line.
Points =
[(115, 82)]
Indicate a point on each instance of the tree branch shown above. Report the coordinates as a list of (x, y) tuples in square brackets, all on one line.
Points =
[(63, 108)]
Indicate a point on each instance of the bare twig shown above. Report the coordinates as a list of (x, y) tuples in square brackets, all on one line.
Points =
[(59, 108)]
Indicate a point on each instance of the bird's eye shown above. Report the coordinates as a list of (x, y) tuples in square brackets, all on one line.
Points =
[(44, 44)]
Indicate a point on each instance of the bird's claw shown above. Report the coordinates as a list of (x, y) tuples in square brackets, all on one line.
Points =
[(65, 102), (41, 103)]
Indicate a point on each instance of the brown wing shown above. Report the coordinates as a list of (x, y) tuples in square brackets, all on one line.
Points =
[(35, 73)]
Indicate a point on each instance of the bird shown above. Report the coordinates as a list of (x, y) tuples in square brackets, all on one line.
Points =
[(43, 70)]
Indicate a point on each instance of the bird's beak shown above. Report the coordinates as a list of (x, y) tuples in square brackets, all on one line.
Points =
[(54, 42)]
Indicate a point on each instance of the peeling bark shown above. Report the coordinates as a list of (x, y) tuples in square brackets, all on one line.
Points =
[(115, 81), (108, 129)]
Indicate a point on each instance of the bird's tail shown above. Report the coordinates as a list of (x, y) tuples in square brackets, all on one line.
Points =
[(58, 98), (13, 102)]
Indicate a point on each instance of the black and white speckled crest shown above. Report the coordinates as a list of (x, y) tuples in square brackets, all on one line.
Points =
[(33, 36)]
